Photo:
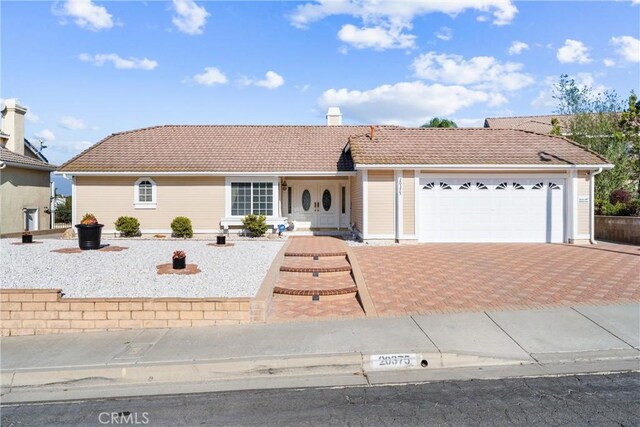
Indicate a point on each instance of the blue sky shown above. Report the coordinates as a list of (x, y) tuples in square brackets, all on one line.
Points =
[(87, 69)]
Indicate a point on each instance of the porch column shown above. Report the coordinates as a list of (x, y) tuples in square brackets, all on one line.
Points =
[(398, 208)]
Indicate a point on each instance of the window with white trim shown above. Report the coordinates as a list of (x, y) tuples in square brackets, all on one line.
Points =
[(145, 193), (251, 197)]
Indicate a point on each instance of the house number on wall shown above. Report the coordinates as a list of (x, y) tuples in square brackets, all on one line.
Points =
[(583, 199)]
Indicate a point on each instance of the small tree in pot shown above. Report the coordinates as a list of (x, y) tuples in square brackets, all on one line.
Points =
[(89, 232), (179, 260)]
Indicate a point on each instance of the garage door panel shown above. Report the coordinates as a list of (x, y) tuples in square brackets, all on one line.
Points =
[(522, 210)]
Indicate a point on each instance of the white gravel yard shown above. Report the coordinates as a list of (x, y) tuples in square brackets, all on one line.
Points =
[(235, 271)]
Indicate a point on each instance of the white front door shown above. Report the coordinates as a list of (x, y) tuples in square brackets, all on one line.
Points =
[(31, 219), (315, 204)]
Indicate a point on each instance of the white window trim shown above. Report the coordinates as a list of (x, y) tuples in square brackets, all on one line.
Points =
[(227, 193), (136, 193)]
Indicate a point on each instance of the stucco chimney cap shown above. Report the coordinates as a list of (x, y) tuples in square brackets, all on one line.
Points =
[(12, 104)]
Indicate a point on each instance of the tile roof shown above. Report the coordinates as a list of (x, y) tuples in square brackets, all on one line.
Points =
[(318, 149), (18, 160), (470, 146), (220, 149), (540, 124)]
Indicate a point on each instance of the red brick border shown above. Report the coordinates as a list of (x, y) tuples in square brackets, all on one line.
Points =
[(45, 311)]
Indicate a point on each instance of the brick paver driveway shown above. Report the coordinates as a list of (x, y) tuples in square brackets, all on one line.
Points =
[(437, 278)]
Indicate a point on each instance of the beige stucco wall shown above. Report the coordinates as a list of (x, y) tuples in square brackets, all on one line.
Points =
[(583, 207), (380, 202), (23, 188), (355, 191), (199, 198), (408, 203)]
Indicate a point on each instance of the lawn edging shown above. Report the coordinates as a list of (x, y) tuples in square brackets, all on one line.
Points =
[(46, 311)]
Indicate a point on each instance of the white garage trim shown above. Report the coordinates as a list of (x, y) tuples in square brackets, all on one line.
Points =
[(487, 167)]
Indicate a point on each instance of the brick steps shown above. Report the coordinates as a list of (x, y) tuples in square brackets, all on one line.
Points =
[(301, 264), (304, 284), (316, 246), (287, 309)]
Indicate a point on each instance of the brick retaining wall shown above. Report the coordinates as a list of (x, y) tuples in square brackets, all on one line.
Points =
[(45, 311), (623, 229)]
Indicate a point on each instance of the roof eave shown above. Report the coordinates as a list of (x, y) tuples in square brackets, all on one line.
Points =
[(49, 168), (505, 167)]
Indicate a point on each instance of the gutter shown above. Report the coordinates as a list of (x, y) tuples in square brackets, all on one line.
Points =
[(28, 166), (592, 213)]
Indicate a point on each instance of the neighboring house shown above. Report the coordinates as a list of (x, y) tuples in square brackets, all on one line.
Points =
[(25, 177), (539, 124), (391, 183)]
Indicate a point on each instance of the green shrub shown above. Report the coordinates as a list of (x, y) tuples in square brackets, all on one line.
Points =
[(181, 227), (128, 226), (63, 213), (257, 225)]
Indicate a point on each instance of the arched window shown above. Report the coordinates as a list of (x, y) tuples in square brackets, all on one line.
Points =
[(145, 194)]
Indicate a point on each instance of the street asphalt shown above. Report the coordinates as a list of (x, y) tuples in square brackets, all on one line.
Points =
[(372, 351), (600, 400)]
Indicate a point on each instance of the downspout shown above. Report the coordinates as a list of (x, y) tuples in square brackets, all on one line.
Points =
[(592, 213)]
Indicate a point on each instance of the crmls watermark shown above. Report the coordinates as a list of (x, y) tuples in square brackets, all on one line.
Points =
[(124, 418)]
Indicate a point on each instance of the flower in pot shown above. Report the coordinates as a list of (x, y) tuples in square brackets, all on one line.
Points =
[(179, 260), (27, 237), (89, 232)]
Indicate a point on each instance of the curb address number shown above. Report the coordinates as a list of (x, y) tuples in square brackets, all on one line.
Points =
[(393, 361)]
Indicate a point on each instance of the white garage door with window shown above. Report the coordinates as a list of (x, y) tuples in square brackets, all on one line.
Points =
[(506, 209)]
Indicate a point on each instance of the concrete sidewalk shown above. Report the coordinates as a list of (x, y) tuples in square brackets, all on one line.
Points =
[(329, 353)]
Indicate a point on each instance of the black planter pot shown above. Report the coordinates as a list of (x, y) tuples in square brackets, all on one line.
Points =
[(27, 238), (221, 240), (179, 263), (89, 236)]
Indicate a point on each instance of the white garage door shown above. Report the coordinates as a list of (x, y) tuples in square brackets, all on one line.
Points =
[(491, 210)]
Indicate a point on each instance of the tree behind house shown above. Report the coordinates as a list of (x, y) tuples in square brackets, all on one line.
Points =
[(437, 122), (595, 120)]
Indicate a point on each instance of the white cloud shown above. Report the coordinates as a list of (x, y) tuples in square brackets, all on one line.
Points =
[(211, 76), (120, 63), (445, 33), (517, 47), (608, 62), (31, 117), (484, 72), (404, 103), (378, 38), (272, 80), (72, 123), (86, 14), (573, 51), (469, 123), (46, 135), (387, 21), (189, 17), (627, 47)]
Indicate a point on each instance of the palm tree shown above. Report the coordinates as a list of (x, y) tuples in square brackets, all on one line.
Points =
[(437, 122)]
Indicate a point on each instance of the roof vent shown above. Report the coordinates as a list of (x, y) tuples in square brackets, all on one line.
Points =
[(334, 116)]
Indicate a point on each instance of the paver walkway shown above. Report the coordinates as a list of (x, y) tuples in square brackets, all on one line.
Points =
[(315, 282), (440, 278)]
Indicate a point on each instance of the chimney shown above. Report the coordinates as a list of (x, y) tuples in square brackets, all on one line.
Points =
[(13, 115), (334, 116)]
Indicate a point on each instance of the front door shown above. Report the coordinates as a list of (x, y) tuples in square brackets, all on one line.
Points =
[(315, 205), (30, 222)]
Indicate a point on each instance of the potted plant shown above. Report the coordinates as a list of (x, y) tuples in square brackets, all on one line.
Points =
[(27, 237), (89, 232), (179, 260), (221, 239)]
